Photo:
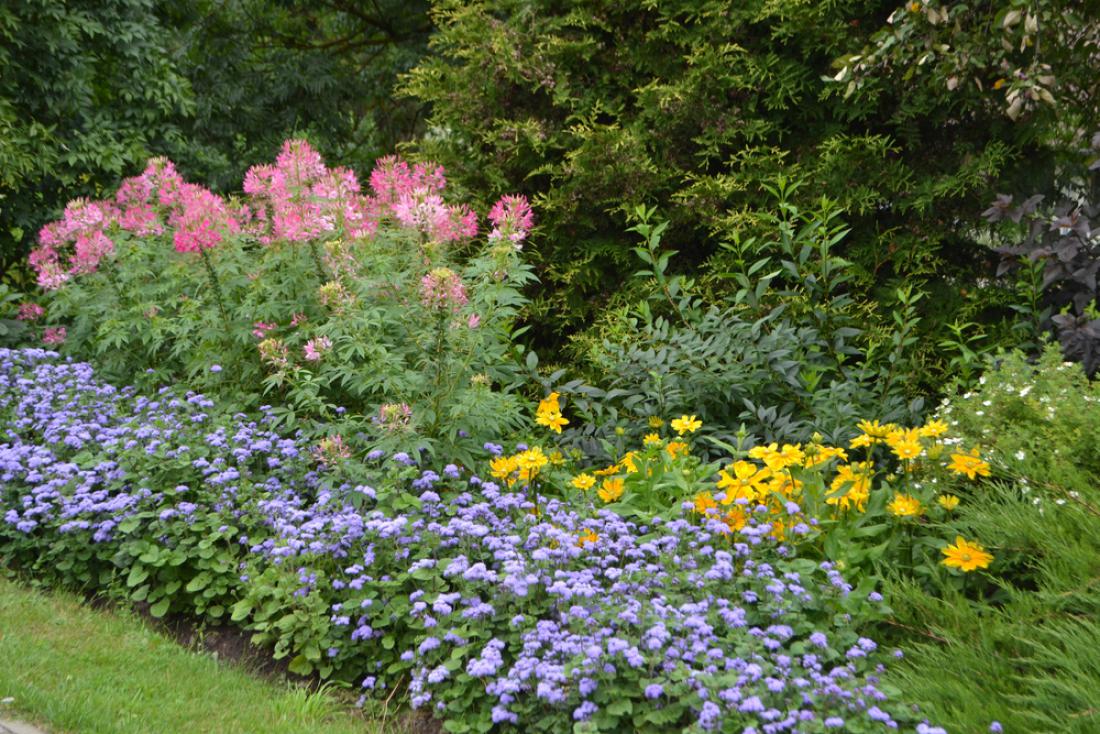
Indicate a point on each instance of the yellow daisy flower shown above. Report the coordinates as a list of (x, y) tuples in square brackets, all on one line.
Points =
[(676, 448), (904, 505), (611, 489), (966, 555), (686, 424), (703, 502), (747, 481), (948, 501), (584, 482), (969, 464)]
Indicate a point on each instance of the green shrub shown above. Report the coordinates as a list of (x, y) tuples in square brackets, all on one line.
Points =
[(788, 354), (592, 108)]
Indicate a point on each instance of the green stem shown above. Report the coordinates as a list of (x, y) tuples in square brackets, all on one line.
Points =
[(214, 284), (112, 278), (437, 379), (317, 262)]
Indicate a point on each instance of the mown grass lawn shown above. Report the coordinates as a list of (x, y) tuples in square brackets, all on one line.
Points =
[(70, 668)]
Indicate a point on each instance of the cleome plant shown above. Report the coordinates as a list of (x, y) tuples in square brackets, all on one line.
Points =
[(369, 315)]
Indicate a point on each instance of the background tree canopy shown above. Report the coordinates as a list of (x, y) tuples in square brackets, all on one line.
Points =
[(592, 107), (87, 90)]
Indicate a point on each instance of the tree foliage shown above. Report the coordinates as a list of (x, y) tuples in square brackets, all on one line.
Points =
[(87, 89), (266, 70), (594, 107)]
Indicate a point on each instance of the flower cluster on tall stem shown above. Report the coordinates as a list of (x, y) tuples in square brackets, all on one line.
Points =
[(442, 289), (299, 199), (512, 219), (75, 244)]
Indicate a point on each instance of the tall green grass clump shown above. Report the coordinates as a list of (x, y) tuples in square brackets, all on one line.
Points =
[(1018, 644)]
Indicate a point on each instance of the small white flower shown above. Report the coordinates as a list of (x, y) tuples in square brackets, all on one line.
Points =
[(1074, 495), (1059, 501), (1025, 391), (979, 412), (1020, 455), (987, 403)]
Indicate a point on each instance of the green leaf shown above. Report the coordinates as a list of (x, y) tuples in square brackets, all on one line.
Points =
[(137, 575), (198, 583), (159, 609), (299, 665), (241, 610)]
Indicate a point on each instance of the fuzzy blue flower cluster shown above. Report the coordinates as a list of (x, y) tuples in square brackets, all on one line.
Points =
[(491, 606), (530, 605)]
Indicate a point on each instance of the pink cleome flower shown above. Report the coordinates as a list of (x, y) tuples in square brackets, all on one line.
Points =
[(394, 417), (299, 199), (443, 288), (30, 312), (54, 335), (146, 200), (512, 219), (392, 178), (75, 244), (331, 449), (260, 329), (202, 220), (315, 348)]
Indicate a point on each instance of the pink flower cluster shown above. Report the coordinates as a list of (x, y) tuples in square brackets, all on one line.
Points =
[(394, 417), (331, 449), (201, 221), (260, 329), (299, 199), (144, 205), (54, 335), (414, 197), (512, 220), (30, 312), (296, 199), (442, 288), (74, 244), (144, 200), (315, 348)]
